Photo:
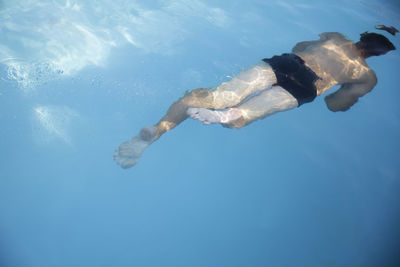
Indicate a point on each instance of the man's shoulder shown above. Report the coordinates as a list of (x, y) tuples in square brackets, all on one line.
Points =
[(332, 36)]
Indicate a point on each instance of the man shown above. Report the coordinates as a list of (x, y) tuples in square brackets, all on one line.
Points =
[(275, 84)]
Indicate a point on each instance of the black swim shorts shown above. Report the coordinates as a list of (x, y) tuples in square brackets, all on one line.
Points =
[(294, 76)]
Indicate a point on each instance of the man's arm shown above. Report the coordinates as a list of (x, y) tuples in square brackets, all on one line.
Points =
[(348, 94)]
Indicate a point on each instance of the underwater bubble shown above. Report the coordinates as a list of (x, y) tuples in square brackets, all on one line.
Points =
[(30, 75), (53, 123)]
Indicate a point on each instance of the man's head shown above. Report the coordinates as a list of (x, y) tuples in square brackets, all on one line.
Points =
[(373, 44)]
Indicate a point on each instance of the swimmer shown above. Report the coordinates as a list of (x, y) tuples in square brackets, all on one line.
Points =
[(274, 85)]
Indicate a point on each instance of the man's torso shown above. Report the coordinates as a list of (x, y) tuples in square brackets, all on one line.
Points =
[(334, 59)]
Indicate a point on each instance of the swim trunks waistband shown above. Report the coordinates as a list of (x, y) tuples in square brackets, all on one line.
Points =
[(294, 76)]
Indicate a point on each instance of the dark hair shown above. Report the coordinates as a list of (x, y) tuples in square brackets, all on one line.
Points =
[(374, 44)]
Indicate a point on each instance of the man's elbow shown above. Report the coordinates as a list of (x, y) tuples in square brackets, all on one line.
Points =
[(374, 80), (370, 84)]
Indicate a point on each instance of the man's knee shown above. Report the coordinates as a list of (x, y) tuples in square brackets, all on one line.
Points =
[(200, 97), (204, 98)]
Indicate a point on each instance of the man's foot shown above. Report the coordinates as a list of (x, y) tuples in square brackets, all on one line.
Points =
[(129, 152), (208, 116)]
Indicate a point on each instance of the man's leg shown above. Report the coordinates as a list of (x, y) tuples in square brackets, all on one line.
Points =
[(258, 107), (228, 94)]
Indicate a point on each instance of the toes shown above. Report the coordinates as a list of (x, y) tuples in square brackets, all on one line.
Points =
[(127, 162), (203, 115), (197, 117), (124, 150), (193, 111), (129, 152)]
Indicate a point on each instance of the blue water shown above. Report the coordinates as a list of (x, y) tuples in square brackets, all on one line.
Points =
[(307, 187)]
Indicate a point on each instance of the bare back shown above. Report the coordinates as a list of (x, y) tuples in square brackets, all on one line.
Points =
[(334, 59)]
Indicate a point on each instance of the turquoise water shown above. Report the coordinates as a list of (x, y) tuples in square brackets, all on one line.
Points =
[(307, 187)]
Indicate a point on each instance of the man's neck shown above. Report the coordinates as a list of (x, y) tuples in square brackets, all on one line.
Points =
[(363, 53)]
